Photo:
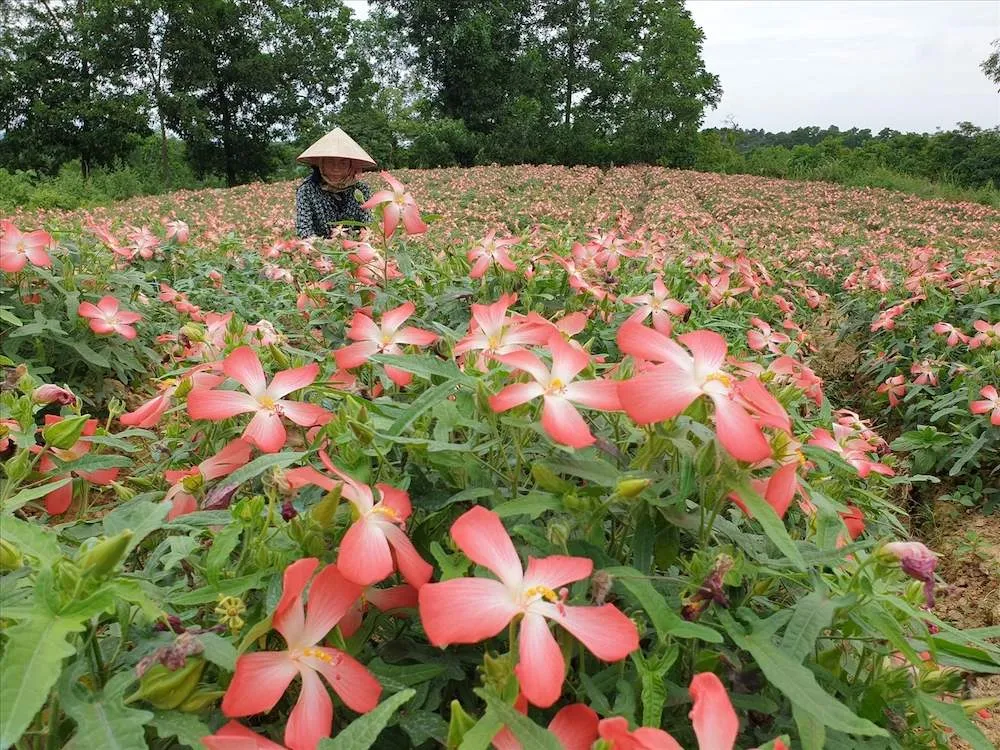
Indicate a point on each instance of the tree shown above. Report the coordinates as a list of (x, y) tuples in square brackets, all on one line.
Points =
[(244, 73), (65, 90), (991, 65)]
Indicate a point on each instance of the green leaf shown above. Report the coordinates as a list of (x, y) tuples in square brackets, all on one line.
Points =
[(91, 357), (954, 716), (812, 733), (425, 401), (229, 587), (9, 317), (811, 616), (103, 721), (593, 469), (32, 539), (187, 728), (797, 682), (532, 505), (524, 729), (31, 663), (92, 462), (143, 517), (424, 365), (223, 545), (262, 463), (219, 651), (421, 726), (665, 620), (404, 676), (771, 523), (28, 494), (361, 733), (260, 629), (480, 737), (968, 454)]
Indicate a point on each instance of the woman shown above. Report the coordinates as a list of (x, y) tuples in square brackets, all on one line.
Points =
[(333, 193)]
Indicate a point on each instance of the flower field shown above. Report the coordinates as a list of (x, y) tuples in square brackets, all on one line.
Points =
[(545, 458)]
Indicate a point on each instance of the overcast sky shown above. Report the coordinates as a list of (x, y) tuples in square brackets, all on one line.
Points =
[(911, 65)]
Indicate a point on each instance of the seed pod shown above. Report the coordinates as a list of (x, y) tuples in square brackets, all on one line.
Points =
[(102, 558), (199, 700), (166, 689), (548, 480), (18, 467), (631, 487), (323, 511), (459, 724), (65, 433)]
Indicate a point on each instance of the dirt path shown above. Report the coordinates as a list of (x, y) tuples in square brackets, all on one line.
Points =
[(969, 543)]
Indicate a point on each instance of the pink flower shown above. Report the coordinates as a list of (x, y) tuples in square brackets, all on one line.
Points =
[(59, 500), (400, 205), (371, 338), (894, 387), (376, 544), (18, 248), (991, 403), (574, 726), (924, 372), (917, 561), (660, 305), (107, 317), (491, 332), (490, 250), (265, 430), (560, 419), (954, 335), (852, 449), (151, 412), (47, 394), (261, 678), (778, 490), (235, 454), (532, 594), (177, 230), (667, 389), (390, 600), (765, 337)]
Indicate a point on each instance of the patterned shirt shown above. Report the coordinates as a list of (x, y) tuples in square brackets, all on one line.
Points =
[(317, 210)]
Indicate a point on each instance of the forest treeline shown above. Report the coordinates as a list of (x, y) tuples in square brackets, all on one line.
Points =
[(103, 99)]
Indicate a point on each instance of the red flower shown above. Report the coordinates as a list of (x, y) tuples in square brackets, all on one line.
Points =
[(107, 317), (18, 248), (990, 403), (261, 678), (531, 594), (265, 401), (400, 205), (371, 338), (234, 455), (560, 419)]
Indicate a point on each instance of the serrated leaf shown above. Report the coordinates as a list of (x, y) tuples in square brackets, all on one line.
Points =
[(524, 729), (33, 540), (771, 523), (421, 726), (361, 733), (31, 664), (187, 728), (143, 517), (665, 620), (811, 616), (105, 722), (954, 716), (796, 682), (229, 587)]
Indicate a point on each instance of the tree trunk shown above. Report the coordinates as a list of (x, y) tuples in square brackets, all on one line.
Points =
[(164, 160)]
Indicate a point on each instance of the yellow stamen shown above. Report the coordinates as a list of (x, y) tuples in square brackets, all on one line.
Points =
[(543, 591), (316, 653), (266, 401), (389, 513), (720, 377)]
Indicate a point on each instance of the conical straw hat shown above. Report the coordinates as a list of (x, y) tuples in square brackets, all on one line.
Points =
[(336, 144)]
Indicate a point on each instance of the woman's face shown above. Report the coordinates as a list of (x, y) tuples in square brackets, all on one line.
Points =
[(339, 172)]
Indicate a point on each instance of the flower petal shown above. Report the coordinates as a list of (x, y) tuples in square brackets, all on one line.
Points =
[(658, 394), (266, 432), (415, 570), (604, 630), (715, 722), (330, 596), (289, 615), (303, 414), (481, 535), (564, 424), (515, 395), (311, 719), (364, 556), (556, 571), (203, 403), (243, 366), (708, 348), (288, 381), (737, 431), (259, 682), (442, 606), (595, 394), (540, 666), (350, 680), (575, 726)]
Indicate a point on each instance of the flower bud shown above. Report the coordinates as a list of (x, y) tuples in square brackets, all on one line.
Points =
[(363, 433), (10, 556), (65, 433), (323, 511), (193, 332), (917, 561), (47, 394), (18, 467), (631, 487), (279, 357), (548, 480), (102, 558), (557, 533), (459, 724)]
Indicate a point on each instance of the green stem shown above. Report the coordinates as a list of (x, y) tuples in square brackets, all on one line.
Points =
[(52, 740), (95, 648)]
